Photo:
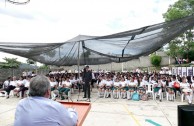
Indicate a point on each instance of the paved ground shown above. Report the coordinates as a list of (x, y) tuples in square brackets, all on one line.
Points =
[(112, 112)]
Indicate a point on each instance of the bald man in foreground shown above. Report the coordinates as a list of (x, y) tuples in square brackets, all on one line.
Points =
[(39, 110)]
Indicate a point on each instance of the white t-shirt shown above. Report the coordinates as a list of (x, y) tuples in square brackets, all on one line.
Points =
[(184, 85), (13, 83), (123, 83), (53, 83), (67, 83), (116, 84), (20, 82), (6, 83), (142, 84), (102, 82), (132, 84), (109, 83), (27, 84)]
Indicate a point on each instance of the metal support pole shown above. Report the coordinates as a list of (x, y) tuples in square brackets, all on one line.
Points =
[(78, 60)]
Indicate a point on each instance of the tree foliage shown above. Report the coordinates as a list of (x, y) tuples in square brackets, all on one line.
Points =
[(156, 60), (182, 45), (10, 63)]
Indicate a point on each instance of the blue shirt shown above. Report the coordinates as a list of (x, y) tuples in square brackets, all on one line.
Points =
[(41, 111)]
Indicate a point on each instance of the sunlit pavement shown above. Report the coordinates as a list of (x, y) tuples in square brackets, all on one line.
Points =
[(111, 112)]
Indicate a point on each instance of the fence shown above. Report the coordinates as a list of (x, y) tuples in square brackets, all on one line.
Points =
[(4, 73)]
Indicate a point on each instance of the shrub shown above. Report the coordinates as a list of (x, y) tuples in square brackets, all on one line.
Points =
[(156, 60)]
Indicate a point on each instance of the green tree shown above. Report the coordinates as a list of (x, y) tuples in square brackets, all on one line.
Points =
[(10, 63), (182, 45), (155, 60)]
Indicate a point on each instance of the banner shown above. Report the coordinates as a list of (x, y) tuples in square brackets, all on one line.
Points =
[(180, 71), (174, 70), (189, 71), (184, 71)]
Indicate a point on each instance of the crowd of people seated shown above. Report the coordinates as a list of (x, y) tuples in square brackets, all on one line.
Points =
[(129, 85), (118, 85)]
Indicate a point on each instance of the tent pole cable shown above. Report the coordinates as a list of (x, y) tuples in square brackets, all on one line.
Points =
[(78, 61)]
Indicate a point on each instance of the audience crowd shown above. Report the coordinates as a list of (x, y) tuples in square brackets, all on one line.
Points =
[(118, 85)]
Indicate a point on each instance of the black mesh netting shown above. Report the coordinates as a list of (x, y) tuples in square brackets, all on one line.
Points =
[(93, 50)]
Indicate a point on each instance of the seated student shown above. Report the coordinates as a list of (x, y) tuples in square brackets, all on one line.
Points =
[(185, 88), (158, 88), (176, 85), (101, 86), (39, 110), (26, 85), (8, 86), (132, 85), (123, 88), (116, 93), (170, 88), (21, 82), (73, 82), (108, 87), (54, 91), (66, 86), (142, 87)]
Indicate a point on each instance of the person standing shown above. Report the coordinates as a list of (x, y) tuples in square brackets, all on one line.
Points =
[(87, 78), (39, 110)]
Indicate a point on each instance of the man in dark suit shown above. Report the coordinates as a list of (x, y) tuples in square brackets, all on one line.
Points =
[(87, 77)]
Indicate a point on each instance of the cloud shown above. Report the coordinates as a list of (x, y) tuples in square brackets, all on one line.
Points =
[(57, 21)]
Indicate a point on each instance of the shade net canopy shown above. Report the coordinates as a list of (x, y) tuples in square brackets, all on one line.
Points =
[(92, 50)]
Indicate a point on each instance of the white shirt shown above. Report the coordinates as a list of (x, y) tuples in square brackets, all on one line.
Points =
[(53, 83), (132, 84), (184, 85), (109, 83), (13, 83), (6, 83), (102, 82), (40, 111), (122, 83), (116, 84), (67, 83), (27, 84), (93, 77), (20, 82), (142, 84)]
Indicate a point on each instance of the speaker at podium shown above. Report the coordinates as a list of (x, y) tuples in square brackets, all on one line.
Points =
[(185, 115)]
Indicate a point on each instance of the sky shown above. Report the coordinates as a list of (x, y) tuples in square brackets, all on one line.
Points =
[(60, 20)]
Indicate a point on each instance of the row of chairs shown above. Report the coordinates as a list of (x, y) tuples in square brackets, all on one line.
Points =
[(149, 90)]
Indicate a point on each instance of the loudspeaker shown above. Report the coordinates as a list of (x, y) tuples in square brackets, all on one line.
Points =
[(186, 115)]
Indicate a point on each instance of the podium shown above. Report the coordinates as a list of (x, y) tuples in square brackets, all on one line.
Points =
[(81, 108), (186, 115)]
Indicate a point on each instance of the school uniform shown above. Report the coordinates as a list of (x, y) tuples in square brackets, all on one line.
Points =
[(65, 88), (108, 86), (116, 93), (131, 90), (185, 87), (8, 86), (54, 91), (123, 88)]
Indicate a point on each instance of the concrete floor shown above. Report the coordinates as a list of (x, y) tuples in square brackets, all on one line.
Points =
[(112, 112)]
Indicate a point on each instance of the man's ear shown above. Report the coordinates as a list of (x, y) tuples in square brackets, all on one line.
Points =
[(48, 93)]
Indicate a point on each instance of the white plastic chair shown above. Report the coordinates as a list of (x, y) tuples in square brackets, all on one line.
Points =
[(150, 89), (170, 96), (107, 93)]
